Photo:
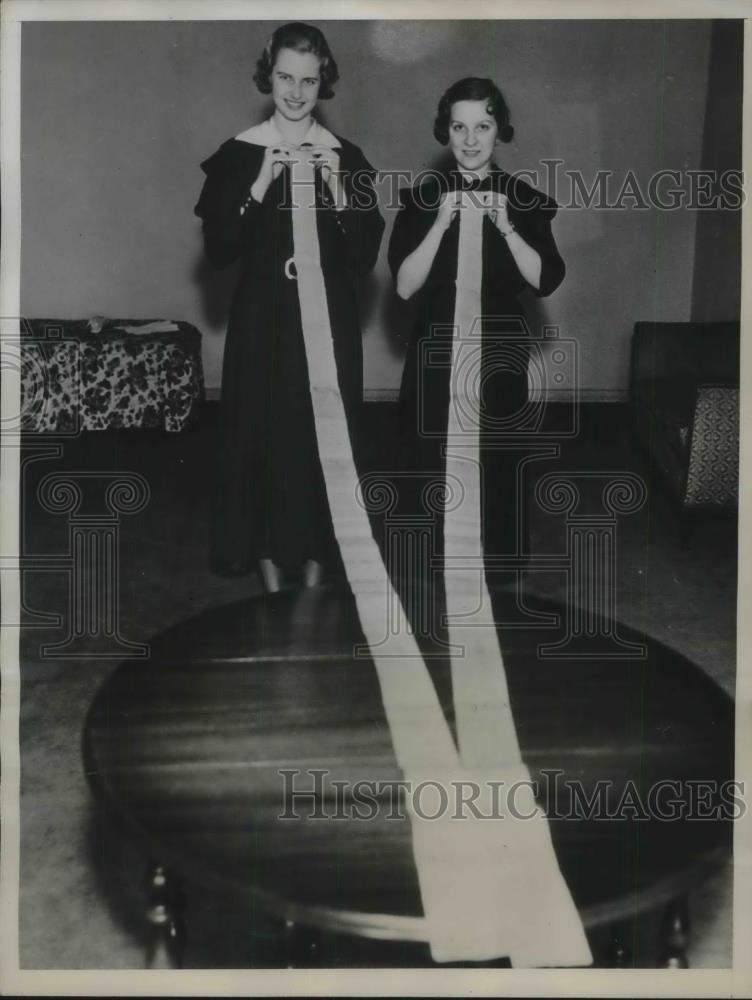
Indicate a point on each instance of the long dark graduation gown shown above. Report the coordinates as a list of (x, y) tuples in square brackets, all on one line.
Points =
[(500, 365), (271, 498)]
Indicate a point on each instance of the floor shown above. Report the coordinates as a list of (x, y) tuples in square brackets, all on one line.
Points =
[(81, 894)]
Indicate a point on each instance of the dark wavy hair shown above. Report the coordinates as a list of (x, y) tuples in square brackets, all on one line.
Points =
[(301, 38), (473, 88)]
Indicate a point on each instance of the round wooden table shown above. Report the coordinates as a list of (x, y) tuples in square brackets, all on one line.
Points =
[(194, 750)]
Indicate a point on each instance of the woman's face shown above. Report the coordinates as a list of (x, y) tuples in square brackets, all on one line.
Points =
[(296, 78), (472, 134)]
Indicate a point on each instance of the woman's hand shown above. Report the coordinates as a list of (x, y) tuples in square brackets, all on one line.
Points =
[(496, 210), (450, 205), (326, 160), (275, 158)]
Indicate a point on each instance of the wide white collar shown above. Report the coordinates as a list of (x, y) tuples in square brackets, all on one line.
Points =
[(267, 133)]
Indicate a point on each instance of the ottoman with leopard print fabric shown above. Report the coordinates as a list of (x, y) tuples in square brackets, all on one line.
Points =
[(73, 379)]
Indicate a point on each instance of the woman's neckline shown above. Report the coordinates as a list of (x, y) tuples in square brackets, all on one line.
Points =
[(267, 132), (468, 179), (310, 122), (472, 176)]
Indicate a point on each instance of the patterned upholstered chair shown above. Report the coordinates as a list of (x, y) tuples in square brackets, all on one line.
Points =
[(684, 395)]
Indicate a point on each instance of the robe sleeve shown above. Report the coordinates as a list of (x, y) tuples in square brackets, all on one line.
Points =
[(534, 225), (361, 223), (226, 231)]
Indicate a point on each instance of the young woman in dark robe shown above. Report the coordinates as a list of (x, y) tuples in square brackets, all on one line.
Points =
[(272, 505), (519, 253)]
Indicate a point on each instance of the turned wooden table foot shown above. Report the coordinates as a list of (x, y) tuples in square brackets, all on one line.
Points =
[(164, 915), (675, 936), (303, 946), (620, 952)]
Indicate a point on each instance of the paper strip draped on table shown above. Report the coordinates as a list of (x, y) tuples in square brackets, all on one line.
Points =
[(491, 888)]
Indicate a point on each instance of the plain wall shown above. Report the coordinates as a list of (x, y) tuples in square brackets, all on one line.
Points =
[(116, 118)]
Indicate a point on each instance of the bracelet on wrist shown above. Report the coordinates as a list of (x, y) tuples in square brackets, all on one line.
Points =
[(508, 232)]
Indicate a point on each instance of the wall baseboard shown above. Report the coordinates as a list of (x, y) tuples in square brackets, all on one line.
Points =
[(586, 395), (390, 395), (552, 395)]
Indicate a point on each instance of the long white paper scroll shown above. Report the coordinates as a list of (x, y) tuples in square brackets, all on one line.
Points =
[(521, 904), (490, 887)]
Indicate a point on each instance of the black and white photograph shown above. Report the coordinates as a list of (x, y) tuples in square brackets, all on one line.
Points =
[(372, 577)]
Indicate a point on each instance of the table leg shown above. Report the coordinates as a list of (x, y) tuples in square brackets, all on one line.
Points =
[(165, 918), (620, 955), (675, 936), (303, 946)]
